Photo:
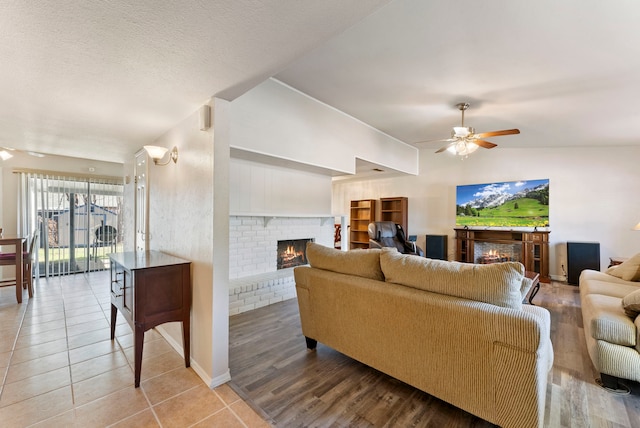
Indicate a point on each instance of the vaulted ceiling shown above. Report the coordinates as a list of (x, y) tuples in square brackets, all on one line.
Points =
[(98, 79)]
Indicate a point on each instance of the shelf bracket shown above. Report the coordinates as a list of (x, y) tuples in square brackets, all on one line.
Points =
[(324, 220)]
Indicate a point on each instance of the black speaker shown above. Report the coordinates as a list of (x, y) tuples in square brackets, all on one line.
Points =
[(581, 256), (436, 247)]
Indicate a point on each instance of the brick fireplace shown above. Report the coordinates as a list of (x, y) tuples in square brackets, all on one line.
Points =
[(255, 278)]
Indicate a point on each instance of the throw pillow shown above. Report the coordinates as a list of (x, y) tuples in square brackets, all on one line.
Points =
[(499, 284), (631, 304), (362, 262), (525, 287), (629, 270)]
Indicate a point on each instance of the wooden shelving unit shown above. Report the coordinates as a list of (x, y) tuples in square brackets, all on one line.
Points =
[(395, 210), (361, 213)]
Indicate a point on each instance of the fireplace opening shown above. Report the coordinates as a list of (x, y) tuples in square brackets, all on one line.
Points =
[(489, 252), (292, 253)]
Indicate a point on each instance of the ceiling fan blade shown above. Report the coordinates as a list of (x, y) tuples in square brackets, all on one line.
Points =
[(442, 149), (435, 141), (485, 144), (497, 133)]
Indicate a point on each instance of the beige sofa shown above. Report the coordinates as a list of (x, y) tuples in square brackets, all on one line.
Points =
[(456, 331), (610, 304)]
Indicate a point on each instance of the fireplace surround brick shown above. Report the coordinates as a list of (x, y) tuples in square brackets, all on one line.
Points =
[(253, 241)]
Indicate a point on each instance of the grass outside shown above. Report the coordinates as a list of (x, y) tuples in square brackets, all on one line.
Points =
[(63, 254)]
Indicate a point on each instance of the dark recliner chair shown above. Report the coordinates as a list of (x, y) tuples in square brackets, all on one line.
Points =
[(390, 234)]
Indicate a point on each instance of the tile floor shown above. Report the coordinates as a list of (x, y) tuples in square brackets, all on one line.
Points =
[(59, 367)]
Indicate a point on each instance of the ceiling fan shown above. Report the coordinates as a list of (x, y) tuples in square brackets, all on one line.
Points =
[(464, 140)]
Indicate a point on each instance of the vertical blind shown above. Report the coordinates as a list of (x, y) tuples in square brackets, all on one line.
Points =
[(77, 219)]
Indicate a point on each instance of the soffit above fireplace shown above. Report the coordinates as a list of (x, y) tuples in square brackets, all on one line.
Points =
[(363, 169)]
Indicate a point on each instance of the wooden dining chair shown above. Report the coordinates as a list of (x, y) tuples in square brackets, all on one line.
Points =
[(9, 259)]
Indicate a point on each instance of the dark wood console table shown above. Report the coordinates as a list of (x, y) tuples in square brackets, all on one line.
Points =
[(533, 246), (150, 288)]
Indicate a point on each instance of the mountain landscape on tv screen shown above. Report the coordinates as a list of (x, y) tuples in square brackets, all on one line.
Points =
[(505, 204)]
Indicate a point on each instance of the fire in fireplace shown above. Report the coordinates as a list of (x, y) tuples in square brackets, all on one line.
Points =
[(292, 253), (486, 252)]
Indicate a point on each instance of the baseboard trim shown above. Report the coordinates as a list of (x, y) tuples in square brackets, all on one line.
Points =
[(202, 374)]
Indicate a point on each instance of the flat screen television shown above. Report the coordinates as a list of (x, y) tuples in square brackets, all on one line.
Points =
[(503, 204)]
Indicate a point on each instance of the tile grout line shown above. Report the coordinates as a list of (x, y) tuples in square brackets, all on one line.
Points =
[(13, 347)]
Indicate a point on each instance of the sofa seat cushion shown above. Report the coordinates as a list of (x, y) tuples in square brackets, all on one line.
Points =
[(498, 284), (362, 262), (607, 288), (607, 320), (629, 270), (631, 303)]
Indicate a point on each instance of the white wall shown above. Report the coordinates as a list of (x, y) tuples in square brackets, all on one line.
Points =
[(257, 189), (276, 120), (180, 224), (592, 194)]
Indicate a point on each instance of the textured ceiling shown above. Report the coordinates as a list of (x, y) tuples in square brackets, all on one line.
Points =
[(96, 79)]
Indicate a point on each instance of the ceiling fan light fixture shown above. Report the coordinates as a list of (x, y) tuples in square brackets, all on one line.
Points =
[(463, 148)]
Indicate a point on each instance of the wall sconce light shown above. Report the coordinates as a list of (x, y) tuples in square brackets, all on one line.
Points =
[(157, 153), (4, 155), (636, 227)]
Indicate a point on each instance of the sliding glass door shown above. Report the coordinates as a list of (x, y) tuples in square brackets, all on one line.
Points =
[(78, 220)]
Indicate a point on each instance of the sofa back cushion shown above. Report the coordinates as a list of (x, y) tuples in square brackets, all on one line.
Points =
[(498, 284), (361, 262)]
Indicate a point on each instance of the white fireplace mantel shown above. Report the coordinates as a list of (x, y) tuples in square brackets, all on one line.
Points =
[(267, 217)]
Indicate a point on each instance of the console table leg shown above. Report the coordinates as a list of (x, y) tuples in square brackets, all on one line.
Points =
[(186, 335), (139, 342), (114, 316)]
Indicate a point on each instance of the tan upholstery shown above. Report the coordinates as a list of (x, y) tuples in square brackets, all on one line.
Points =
[(489, 360), (629, 270), (608, 321), (612, 336), (497, 283), (631, 304), (364, 263)]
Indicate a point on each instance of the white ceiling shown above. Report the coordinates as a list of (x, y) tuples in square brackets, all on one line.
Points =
[(96, 79)]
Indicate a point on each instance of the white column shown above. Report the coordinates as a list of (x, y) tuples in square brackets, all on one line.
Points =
[(220, 300)]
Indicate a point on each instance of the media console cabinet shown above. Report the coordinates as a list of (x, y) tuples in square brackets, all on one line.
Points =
[(150, 288), (531, 248)]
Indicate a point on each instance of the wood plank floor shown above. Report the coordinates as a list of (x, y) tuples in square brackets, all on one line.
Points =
[(294, 387)]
